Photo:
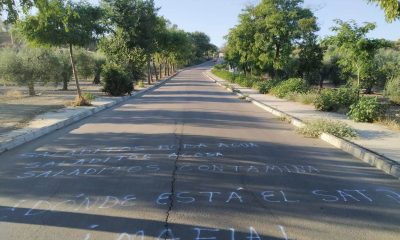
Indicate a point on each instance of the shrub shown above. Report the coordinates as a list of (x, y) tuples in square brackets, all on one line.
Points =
[(367, 109), (265, 86), (335, 99), (88, 96), (316, 127), (289, 86), (392, 90), (116, 81)]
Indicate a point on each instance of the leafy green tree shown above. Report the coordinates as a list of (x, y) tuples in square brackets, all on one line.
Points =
[(311, 53), (277, 24), (117, 52), (356, 50), (65, 70), (391, 8), (64, 23), (201, 43), (179, 49), (267, 34), (27, 66), (11, 7), (138, 21), (85, 62), (240, 44), (330, 67), (387, 62)]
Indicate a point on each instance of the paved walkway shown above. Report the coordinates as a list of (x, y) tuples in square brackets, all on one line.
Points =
[(376, 138)]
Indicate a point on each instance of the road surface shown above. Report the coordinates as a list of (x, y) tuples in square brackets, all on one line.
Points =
[(190, 161)]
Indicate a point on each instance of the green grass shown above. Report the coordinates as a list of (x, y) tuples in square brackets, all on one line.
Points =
[(223, 74)]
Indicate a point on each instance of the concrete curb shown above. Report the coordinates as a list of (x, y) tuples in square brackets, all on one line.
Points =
[(385, 164), (23, 136)]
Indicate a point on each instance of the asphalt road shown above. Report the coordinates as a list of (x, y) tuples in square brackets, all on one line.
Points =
[(190, 161)]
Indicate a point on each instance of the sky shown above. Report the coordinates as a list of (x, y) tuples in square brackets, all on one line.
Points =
[(216, 17)]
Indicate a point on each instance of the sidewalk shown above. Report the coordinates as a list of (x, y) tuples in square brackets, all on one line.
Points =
[(375, 138)]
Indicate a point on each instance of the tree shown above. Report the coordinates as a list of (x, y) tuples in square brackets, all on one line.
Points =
[(356, 50), (391, 8), (201, 45), (65, 70), (330, 66), (311, 53), (117, 52), (239, 49), (11, 8), (267, 34), (29, 65), (64, 23), (137, 20), (85, 63), (277, 24)]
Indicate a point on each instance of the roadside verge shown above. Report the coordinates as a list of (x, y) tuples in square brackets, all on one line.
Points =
[(375, 159), (52, 121)]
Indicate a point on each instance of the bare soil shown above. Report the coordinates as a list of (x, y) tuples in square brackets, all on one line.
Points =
[(16, 110)]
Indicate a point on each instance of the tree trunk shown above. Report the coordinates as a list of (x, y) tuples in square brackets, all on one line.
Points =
[(12, 38), (165, 68), (160, 70), (65, 85), (321, 82), (277, 51), (148, 70), (31, 88), (78, 88), (155, 69), (96, 79)]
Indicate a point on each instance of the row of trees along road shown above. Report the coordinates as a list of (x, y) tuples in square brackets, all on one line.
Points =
[(129, 33), (278, 39)]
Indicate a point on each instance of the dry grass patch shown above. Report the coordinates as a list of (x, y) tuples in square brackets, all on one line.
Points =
[(13, 94)]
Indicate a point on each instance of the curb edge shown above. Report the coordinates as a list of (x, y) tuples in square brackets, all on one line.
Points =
[(31, 135), (383, 163)]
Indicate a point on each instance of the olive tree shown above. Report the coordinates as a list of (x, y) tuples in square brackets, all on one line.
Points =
[(64, 24), (27, 66)]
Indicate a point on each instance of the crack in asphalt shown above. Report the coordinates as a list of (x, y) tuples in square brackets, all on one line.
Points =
[(178, 140)]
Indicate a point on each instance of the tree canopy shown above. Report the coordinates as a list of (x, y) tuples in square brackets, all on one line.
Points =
[(64, 23), (356, 50), (267, 33), (391, 8)]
